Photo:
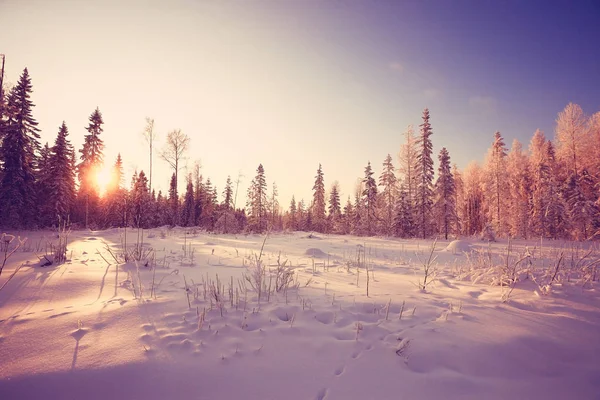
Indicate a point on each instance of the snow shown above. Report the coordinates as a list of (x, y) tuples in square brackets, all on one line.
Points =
[(84, 329), (459, 246)]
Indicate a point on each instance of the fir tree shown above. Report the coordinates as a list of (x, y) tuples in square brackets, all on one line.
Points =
[(19, 154), (444, 193), (424, 177)]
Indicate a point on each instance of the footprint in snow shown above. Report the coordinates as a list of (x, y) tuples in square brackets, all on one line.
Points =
[(322, 394)]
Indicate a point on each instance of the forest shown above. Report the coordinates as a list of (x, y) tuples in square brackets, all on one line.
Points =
[(548, 189)]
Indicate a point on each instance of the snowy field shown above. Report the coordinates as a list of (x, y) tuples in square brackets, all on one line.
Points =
[(194, 326)]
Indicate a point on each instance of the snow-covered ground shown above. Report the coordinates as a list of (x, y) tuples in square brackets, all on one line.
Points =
[(90, 330)]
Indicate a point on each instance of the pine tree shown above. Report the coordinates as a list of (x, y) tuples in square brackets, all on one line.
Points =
[(445, 196), (424, 177), (44, 180), (496, 184), (257, 201), (318, 206), (188, 216), (91, 162), (369, 196), (388, 181), (19, 154)]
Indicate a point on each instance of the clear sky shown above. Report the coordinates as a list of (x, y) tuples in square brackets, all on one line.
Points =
[(291, 84)]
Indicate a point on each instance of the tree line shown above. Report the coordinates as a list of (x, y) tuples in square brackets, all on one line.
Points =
[(550, 189)]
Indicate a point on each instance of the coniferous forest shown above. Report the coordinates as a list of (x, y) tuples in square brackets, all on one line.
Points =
[(546, 188)]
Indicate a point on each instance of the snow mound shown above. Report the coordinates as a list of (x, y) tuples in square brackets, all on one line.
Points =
[(458, 246), (314, 252)]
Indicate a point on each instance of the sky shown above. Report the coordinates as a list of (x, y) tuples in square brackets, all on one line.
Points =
[(294, 84)]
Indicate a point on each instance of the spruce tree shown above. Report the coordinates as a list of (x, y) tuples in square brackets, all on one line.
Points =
[(91, 162), (444, 194), (424, 177), (369, 196), (496, 184), (19, 154), (335, 210), (403, 220), (292, 216), (318, 207), (388, 181), (62, 169), (173, 201), (44, 180), (140, 201), (257, 201), (188, 217)]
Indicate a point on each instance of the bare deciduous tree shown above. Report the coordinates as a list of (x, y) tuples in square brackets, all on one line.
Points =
[(177, 145), (149, 136)]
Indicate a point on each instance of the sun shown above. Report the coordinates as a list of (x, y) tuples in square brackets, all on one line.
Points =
[(103, 179)]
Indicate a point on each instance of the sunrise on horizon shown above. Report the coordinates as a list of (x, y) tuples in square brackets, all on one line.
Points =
[(299, 199)]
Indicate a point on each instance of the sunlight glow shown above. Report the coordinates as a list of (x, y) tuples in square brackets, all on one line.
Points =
[(103, 179)]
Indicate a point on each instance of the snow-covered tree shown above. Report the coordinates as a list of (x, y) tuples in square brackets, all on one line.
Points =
[(408, 161), (335, 211), (19, 152), (318, 205), (140, 201), (404, 225), (571, 134), (445, 196), (473, 177), (495, 183), (173, 201), (519, 185), (369, 200), (188, 210), (388, 181), (61, 191), (257, 201), (424, 178), (91, 162)]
